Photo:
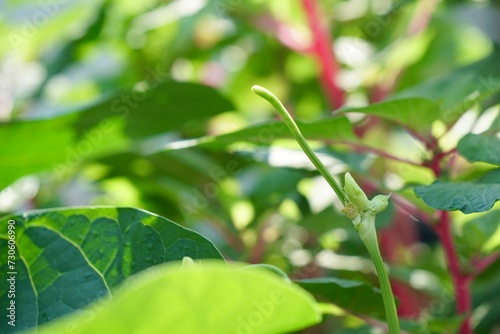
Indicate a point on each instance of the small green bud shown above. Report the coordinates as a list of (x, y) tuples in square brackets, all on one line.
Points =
[(355, 193), (380, 202), (187, 263)]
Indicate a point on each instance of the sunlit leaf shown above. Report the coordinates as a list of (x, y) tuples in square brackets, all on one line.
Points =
[(209, 299), (415, 113), (459, 90), (338, 128)]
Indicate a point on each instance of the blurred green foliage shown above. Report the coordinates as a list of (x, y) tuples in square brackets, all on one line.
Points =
[(147, 104)]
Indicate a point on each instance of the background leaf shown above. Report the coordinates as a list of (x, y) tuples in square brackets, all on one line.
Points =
[(480, 148), (338, 128), (467, 197), (415, 113), (458, 90), (480, 235), (110, 125), (68, 258), (354, 296)]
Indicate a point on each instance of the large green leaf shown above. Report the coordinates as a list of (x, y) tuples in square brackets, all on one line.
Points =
[(445, 98), (455, 92), (211, 299), (467, 197), (459, 90), (63, 142), (68, 258), (338, 128), (415, 113), (354, 296), (480, 148), (484, 91)]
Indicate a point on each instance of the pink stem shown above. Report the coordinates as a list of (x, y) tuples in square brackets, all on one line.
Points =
[(363, 148), (259, 246), (285, 33), (409, 207), (460, 280), (322, 48), (422, 17), (483, 264)]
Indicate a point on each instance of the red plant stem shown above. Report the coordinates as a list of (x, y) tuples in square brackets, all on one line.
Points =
[(428, 144), (410, 300), (422, 17), (285, 33), (483, 264), (409, 208), (369, 122), (363, 148), (259, 247), (231, 238), (435, 164), (450, 152), (322, 48), (460, 280)]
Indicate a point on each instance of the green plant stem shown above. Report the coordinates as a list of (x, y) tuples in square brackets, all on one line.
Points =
[(368, 235), (366, 227), (294, 129)]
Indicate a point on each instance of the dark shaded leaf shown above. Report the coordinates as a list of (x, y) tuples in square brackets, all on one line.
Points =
[(70, 257), (467, 197), (480, 148), (478, 234), (354, 296)]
